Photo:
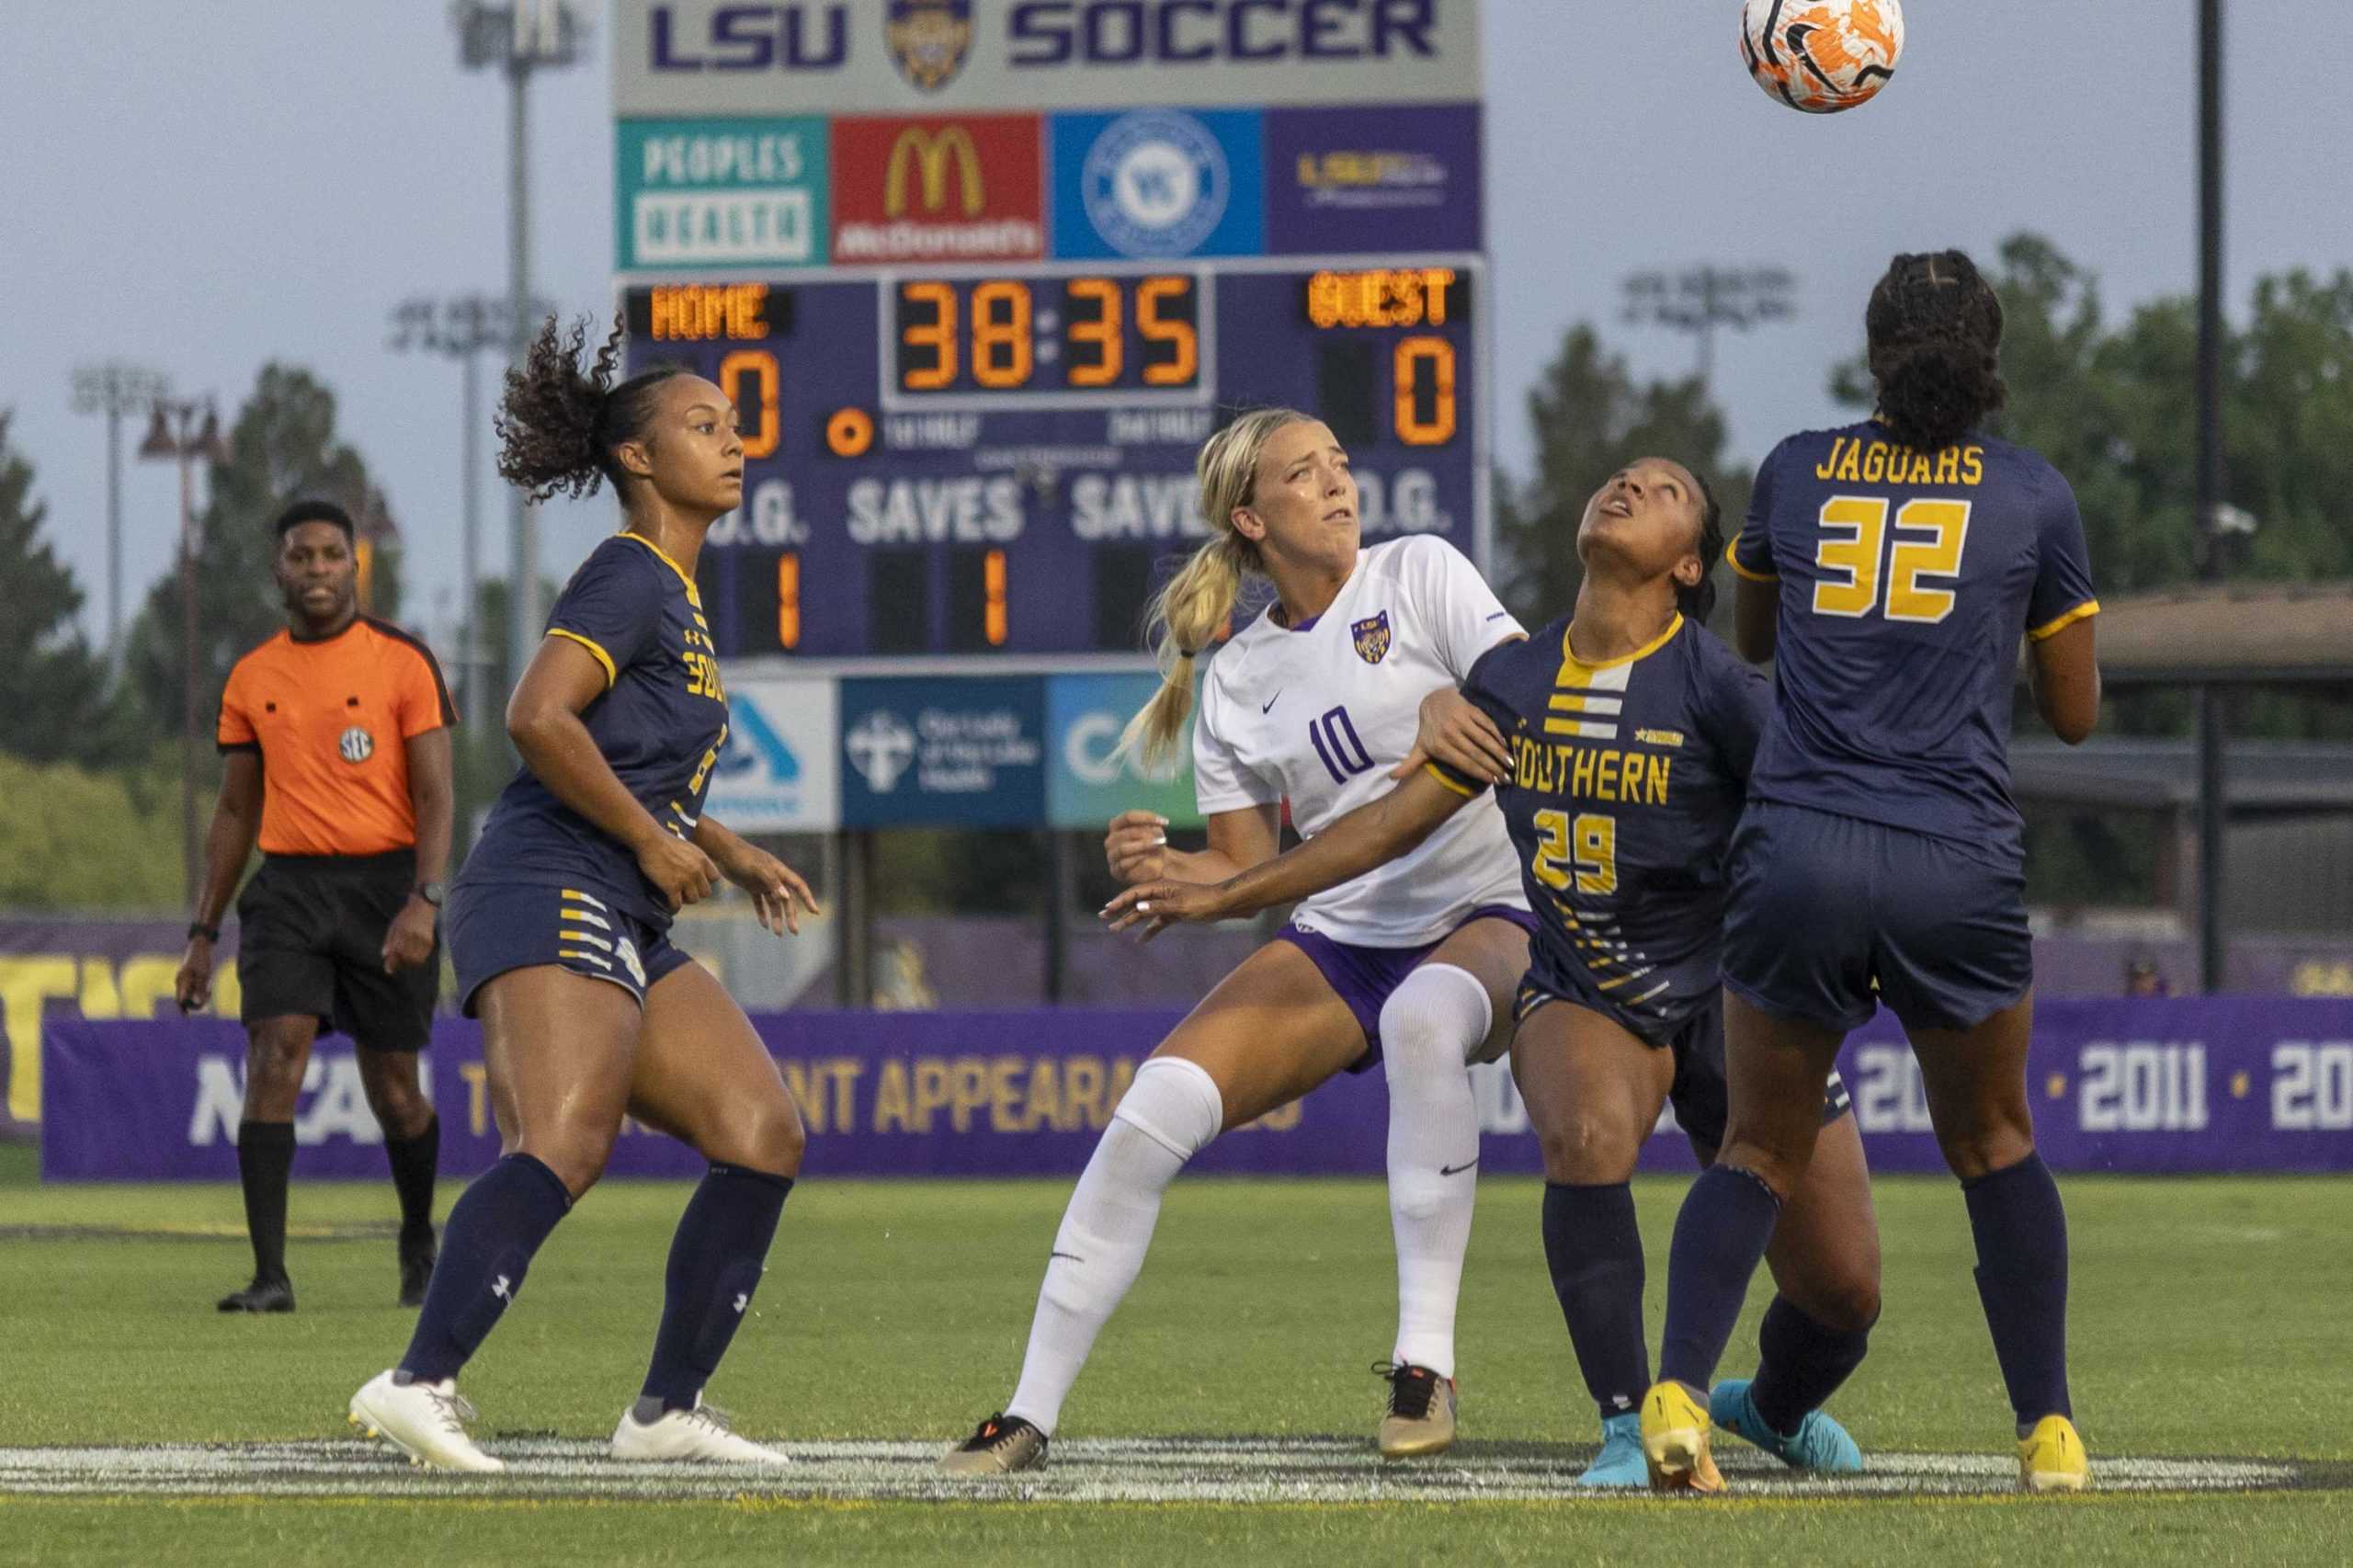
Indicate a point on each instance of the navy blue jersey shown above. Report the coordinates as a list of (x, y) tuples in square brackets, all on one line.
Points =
[(1626, 782), (660, 724), (1906, 580)]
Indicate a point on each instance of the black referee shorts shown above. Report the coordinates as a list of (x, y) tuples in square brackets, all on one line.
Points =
[(310, 940)]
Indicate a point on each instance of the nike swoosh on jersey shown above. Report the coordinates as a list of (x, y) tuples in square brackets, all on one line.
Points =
[(1268, 706)]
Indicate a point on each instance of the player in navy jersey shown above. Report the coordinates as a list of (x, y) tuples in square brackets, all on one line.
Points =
[(1894, 565), (1619, 740), (558, 923)]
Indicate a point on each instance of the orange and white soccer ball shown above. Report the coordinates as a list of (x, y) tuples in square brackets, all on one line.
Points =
[(1822, 56)]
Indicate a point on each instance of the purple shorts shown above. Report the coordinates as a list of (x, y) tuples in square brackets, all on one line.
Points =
[(1364, 977)]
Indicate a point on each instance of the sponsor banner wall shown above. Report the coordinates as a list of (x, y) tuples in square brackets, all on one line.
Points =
[(674, 57), (923, 752), (778, 772), (2142, 1086), (711, 193), (968, 188), (1089, 778), (1373, 179), (1158, 182)]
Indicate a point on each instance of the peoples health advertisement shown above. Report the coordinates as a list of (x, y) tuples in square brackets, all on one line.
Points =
[(704, 193), (2144, 1086)]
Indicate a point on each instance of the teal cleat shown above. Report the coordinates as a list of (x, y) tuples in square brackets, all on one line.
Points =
[(1620, 1463), (1820, 1444)]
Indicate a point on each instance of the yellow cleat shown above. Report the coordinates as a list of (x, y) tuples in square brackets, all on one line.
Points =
[(1675, 1442), (2052, 1458)]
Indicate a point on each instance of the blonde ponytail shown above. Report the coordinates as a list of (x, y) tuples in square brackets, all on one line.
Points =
[(1187, 612)]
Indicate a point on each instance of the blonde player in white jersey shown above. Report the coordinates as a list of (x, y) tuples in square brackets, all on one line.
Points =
[(1413, 965)]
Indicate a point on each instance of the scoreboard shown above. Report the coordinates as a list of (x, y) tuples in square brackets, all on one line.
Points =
[(999, 461), (981, 276)]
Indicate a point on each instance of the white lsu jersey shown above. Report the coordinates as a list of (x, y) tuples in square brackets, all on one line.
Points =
[(1321, 713)]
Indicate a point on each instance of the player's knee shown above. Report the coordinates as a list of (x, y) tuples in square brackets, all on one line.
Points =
[(1434, 1020), (1588, 1149), (275, 1060), (1975, 1151), (576, 1156), (775, 1138), (1847, 1302), (1779, 1169)]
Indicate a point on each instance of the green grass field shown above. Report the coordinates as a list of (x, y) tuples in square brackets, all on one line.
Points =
[(2210, 1321)]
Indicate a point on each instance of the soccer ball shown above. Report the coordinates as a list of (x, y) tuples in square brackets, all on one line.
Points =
[(1822, 56)]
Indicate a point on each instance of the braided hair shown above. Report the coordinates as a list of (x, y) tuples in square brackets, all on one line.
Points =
[(1697, 600), (1935, 339), (559, 423)]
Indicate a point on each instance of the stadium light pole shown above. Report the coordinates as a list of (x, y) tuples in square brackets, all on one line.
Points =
[(1704, 298), (517, 40), (2211, 514), (115, 389), (462, 327), (175, 435)]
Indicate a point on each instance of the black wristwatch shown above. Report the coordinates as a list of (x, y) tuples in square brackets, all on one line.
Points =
[(198, 928), (431, 893)]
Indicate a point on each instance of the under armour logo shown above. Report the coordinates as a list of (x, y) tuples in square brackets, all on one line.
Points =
[(742, 1300), (1621, 1402), (498, 1288)]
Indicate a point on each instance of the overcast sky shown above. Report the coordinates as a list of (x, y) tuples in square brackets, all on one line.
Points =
[(205, 188)]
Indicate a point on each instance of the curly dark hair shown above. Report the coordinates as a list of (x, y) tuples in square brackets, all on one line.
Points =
[(1699, 601), (559, 423), (1936, 344)]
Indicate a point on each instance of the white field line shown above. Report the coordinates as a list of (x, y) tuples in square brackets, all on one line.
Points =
[(1139, 1470)]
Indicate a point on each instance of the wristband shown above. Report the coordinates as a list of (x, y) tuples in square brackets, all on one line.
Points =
[(198, 928)]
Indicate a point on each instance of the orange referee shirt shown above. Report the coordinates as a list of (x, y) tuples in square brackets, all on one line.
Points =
[(331, 720)]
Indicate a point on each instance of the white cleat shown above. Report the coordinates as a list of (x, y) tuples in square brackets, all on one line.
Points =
[(701, 1435), (424, 1421)]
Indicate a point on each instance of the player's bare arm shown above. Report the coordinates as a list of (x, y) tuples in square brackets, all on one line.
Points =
[(2064, 673), (778, 894), (1754, 604), (228, 843), (1374, 834), (1136, 847), (543, 720), (408, 942), (1453, 730)]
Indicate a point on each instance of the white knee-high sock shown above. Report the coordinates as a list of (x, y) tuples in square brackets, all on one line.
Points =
[(1168, 1114), (1429, 1027)]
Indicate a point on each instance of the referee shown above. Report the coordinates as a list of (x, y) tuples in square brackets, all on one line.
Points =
[(335, 739)]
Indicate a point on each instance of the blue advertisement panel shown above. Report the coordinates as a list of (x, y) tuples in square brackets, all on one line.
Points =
[(1373, 180), (705, 193), (1090, 779), (923, 752), (2226, 1084), (1158, 182)]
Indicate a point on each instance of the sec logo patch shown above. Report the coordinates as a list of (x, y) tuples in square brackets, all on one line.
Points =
[(355, 744)]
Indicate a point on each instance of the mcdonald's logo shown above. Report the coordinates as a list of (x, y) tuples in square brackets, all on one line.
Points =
[(931, 154), (935, 190)]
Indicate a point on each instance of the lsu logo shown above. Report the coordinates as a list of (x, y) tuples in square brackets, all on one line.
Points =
[(929, 40), (1371, 636)]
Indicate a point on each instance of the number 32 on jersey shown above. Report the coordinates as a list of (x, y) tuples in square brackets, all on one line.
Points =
[(1929, 537)]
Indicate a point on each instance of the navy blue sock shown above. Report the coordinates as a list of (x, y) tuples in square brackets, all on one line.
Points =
[(1801, 1362), (715, 1262), (2022, 1232), (498, 1224), (1726, 1223), (1595, 1250)]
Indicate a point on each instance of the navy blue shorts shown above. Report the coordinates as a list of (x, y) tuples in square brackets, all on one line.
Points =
[(1702, 1102), (1825, 910), (1364, 977), (493, 927)]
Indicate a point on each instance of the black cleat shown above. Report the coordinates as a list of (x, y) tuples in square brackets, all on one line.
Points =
[(416, 1268), (261, 1296), (997, 1446)]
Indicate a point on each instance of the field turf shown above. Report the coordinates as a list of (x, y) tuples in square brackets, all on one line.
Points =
[(2210, 1321)]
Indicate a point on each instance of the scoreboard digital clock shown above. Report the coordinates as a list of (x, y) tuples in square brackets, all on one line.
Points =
[(1000, 460)]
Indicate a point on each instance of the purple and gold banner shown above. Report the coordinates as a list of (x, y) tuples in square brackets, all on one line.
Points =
[(2154, 1085)]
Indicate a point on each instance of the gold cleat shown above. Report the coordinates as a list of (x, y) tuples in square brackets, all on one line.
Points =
[(998, 1445), (2052, 1458), (1675, 1442), (1420, 1419)]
